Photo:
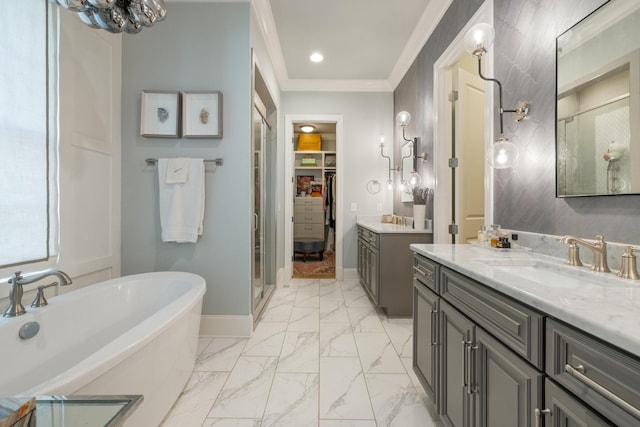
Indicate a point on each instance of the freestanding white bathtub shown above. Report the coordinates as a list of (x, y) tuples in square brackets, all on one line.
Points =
[(132, 335)]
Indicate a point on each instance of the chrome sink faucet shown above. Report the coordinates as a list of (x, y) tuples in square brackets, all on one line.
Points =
[(15, 289), (598, 248)]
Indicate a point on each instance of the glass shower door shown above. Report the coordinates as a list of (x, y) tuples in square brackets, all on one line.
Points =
[(258, 207)]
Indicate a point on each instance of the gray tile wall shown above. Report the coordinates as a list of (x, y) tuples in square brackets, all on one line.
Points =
[(415, 92), (525, 63)]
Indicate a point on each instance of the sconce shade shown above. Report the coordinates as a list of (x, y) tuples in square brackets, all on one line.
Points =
[(415, 179), (503, 154), (403, 118), (479, 38)]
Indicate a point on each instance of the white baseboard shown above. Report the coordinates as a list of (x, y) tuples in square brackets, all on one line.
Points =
[(226, 326), (350, 274)]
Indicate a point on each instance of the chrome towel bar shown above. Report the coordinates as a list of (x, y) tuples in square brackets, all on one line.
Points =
[(218, 161)]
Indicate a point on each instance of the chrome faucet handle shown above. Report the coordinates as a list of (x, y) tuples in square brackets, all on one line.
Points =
[(40, 300), (628, 268)]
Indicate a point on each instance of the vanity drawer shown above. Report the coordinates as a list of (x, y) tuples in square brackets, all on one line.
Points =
[(516, 325), (604, 377), (426, 271)]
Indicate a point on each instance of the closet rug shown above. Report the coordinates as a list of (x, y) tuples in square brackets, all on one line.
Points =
[(313, 268)]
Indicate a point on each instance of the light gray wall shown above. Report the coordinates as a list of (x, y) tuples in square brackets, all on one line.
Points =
[(198, 47), (525, 62), (415, 92), (366, 116)]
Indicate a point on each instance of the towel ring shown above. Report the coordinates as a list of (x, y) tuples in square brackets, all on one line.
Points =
[(373, 186)]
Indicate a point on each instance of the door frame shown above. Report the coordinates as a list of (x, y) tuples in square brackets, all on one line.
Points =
[(290, 119), (442, 124)]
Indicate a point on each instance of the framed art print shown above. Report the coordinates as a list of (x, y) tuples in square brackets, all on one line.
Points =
[(202, 114), (159, 114)]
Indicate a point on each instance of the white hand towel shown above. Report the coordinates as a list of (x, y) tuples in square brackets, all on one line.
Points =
[(177, 170), (181, 204)]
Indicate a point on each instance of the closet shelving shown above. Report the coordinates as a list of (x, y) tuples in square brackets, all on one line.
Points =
[(324, 162)]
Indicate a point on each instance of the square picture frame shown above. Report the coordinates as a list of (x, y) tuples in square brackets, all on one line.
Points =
[(160, 114), (202, 114)]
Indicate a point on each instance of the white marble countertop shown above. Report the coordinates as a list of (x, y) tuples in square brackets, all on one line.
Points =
[(373, 223), (601, 304)]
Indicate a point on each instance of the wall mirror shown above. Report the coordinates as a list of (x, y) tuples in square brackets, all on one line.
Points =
[(598, 103)]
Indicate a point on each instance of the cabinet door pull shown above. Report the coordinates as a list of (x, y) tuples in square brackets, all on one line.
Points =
[(434, 329), (579, 373), (464, 364), (539, 413), (471, 368), (469, 379)]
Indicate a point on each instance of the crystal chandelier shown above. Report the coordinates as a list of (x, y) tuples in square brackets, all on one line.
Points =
[(117, 16)]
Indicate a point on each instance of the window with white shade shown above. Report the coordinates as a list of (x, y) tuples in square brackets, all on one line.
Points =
[(28, 133)]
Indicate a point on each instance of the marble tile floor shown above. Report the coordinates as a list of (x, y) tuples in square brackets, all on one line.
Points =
[(322, 355)]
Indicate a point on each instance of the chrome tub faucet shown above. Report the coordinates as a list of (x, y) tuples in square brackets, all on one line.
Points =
[(598, 248), (15, 289)]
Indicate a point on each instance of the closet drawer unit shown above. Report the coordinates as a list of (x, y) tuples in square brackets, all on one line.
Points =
[(309, 218), (304, 209), (604, 377), (307, 201), (517, 326), (426, 271), (308, 230)]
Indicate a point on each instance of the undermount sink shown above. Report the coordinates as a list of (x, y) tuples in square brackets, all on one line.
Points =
[(507, 262), (546, 273)]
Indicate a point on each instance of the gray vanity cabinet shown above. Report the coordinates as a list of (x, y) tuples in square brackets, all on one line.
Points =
[(384, 266), (455, 340), (484, 383), (507, 388), (567, 411), (493, 361), (604, 377), (368, 262), (473, 350), (426, 306)]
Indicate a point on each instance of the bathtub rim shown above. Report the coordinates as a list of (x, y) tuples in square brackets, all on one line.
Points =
[(125, 345)]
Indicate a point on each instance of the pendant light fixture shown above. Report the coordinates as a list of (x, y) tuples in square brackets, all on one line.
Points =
[(117, 16)]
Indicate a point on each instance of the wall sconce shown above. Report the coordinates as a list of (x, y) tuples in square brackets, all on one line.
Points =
[(503, 153), (403, 118), (389, 180)]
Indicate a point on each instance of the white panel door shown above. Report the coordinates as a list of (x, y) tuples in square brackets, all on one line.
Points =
[(90, 84)]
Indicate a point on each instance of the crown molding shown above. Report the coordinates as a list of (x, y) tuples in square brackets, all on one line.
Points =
[(425, 27), (325, 85)]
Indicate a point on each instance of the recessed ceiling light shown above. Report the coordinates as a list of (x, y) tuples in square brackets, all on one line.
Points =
[(307, 128), (316, 57)]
